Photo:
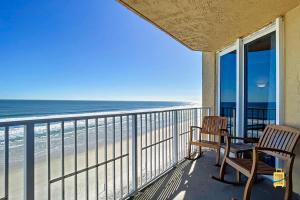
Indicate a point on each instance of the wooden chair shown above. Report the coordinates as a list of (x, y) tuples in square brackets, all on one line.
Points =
[(277, 141), (213, 127)]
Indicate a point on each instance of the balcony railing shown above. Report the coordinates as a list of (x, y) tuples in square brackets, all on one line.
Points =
[(257, 120), (230, 113), (91, 156)]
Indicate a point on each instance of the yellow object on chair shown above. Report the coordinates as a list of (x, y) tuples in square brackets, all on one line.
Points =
[(279, 178)]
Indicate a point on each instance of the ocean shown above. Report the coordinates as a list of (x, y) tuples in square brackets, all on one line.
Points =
[(26, 108), (109, 134), (114, 139)]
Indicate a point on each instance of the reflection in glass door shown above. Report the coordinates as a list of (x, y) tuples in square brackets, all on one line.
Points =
[(228, 89), (260, 84)]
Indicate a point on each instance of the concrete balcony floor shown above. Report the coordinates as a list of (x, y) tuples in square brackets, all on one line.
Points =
[(192, 180)]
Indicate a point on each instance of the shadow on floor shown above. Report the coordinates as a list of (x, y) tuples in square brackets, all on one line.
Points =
[(192, 180)]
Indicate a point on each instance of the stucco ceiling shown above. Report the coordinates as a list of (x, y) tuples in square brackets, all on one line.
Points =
[(209, 25)]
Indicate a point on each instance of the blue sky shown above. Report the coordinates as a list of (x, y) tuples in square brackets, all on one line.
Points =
[(91, 50)]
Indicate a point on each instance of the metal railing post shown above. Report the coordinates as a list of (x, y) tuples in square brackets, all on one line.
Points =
[(196, 120), (175, 138), (6, 162), (134, 154), (196, 117), (29, 162)]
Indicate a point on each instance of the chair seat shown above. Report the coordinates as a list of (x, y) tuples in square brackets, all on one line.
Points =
[(245, 165), (239, 147), (205, 143)]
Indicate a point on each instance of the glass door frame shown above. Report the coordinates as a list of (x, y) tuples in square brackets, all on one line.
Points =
[(225, 51), (238, 45)]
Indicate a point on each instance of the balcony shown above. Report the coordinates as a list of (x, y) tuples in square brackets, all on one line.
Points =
[(115, 155)]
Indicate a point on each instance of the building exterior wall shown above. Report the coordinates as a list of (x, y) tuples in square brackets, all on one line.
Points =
[(292, 80), (209, 80)]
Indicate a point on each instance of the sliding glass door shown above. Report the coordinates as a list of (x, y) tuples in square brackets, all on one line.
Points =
[(260, 84), (249, 90), (228, 89)]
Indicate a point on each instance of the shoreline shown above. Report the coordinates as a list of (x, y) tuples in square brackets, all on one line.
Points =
[(41, 179)]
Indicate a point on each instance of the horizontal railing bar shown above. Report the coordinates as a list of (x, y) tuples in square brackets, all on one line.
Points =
[(146, 147), (86, 116), (183, 133), (86, 169)]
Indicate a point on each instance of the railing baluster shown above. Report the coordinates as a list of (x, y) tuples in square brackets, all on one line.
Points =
[(181, 138), (6, 162), (97, 159), (155, 141), (48, 161), (134, 154), (114, 155), (29, 162), (87, 157), (146, 150), (121, 153), (75, 168), (175, 138), (185, 130), (127, 121), (166, 138), (169, 141), (164, 143), (141, 146), (159, 152), (196, 120), (63, 159), (105, 154), (151, 148)]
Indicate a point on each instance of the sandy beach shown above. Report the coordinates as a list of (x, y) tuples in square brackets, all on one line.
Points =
[(154, 154)]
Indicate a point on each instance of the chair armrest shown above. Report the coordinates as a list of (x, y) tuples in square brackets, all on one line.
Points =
[(276, 150), (249, 140), (224, 132), (227, 147), (196, 127)]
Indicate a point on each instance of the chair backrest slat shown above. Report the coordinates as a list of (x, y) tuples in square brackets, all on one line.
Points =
[(279, 137), (293, 143), (213, 124)]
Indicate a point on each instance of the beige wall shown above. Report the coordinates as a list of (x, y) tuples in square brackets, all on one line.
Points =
[(208, 80), (292, 80)]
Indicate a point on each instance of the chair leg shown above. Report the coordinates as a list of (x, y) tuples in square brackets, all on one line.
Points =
[(218, 157), (190, 140), (247, 191), (238, 174), (223, 169), (289, 188), (189, 150), (289, 181)]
